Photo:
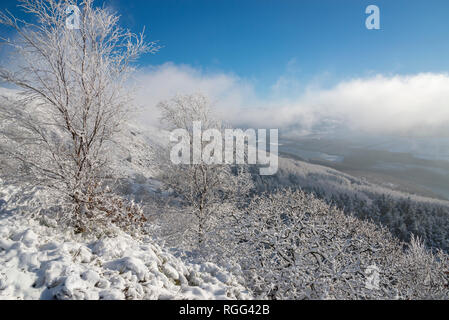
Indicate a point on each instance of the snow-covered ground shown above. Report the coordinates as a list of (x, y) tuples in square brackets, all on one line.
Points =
[(40, 261)]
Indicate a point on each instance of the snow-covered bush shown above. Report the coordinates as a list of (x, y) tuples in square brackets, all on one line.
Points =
[(291, 245), (103, 209)]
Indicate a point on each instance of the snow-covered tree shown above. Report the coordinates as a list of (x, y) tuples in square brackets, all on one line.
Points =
[(203, 186), (71, 79), (404, 214)]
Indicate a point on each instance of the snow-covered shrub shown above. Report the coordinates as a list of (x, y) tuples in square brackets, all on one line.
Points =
[(291, 245), (103, 213), (422, 274), (103, 210)]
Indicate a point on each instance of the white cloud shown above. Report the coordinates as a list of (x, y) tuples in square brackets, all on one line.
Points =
[(163, 82), (398, 105), (415, 104)]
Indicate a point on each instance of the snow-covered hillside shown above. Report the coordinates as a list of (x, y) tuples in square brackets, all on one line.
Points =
[(40, 261)]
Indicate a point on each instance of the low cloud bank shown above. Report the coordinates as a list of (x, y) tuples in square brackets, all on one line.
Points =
[(397, 105)]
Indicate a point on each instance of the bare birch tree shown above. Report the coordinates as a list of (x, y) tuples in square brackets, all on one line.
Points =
[(203, 186), (73, 98)]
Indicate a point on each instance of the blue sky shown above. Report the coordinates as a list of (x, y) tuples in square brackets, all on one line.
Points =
[(264, 39), (261, 40)]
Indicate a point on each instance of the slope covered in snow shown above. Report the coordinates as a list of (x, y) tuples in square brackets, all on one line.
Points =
[(40, 261)]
